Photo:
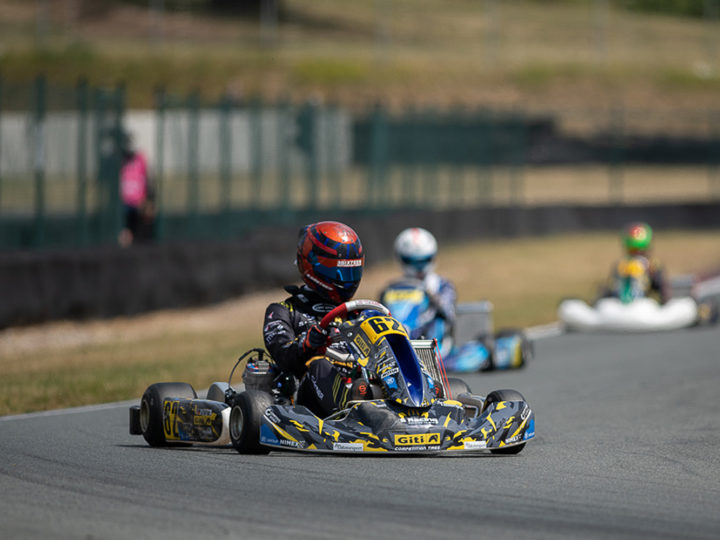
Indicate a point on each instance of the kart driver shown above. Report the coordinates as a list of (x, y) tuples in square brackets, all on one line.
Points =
[(637, 243), (416, 249), (330, 260)]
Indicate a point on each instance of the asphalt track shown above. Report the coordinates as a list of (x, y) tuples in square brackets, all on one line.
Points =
[(628, 430)]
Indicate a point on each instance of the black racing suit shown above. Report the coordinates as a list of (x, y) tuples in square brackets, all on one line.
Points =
[(323, 387)]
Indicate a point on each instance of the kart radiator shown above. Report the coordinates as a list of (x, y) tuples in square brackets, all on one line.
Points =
[(426, 353)]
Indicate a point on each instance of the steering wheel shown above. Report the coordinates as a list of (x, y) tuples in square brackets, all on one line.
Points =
[(349, 307)]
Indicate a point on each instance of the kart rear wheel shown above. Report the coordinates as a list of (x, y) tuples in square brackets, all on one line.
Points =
[(497, 396), (151, 409), (247, 410)]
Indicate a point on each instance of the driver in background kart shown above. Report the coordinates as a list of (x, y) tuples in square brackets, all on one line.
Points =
[(637, 243), (416, 249), (330, 260)]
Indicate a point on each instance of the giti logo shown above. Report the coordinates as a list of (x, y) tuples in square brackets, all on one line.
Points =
[(412, 440)]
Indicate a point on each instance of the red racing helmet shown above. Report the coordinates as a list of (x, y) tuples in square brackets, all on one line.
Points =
[(330, 260)]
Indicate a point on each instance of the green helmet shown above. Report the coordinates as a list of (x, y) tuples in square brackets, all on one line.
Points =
[(637, 237)]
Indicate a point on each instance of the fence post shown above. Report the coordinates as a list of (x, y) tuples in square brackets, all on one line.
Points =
[(283, 143), (225, 153), (160, 104), (334, 163), (1, 117), (307, 121), (256, 152), (378, 147), (714, 157), (192, 203), (518, 161), (116, 204), (39, 160), (82, 105)]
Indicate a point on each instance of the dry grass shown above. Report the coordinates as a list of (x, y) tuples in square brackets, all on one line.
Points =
[(68, 363)]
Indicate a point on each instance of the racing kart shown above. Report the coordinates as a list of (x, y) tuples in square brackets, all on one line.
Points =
[(413, 407), (627, 308), (475, 349)]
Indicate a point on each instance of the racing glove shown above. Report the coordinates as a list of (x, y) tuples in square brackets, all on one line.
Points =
[(315, 338)]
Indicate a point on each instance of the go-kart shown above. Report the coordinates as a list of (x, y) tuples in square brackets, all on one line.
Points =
[(480, 349), (413, 407), (627, 308)]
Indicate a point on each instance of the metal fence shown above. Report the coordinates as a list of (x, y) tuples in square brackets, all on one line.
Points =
[(221, 168)]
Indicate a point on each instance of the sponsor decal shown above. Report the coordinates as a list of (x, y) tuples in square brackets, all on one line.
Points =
[(317, 388), (511, 440), (389, 369), (271, 416), (417, 439), (475, 445), (204, 419), (530, 431), (323, 308), (525, 412), (362, 345), (347, 447), (267, 435), (291, 444), (419, 421), (348, 263), (417, 448)]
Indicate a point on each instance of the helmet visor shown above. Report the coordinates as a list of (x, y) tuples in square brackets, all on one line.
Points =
[(348, 272), (418, 263)]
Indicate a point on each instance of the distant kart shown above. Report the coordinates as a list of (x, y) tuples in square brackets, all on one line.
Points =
[(414, 408), (627, 309), (465, 349)]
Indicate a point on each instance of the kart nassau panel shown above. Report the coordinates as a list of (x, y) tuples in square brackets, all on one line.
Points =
[(642, 314), (469, 357), (394, 360), (198, 421), (507, 353), (379, 426)]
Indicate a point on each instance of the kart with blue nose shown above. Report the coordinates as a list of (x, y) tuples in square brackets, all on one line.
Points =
[(411, 406)]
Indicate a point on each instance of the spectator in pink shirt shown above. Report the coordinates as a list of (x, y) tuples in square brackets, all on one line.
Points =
[(135, 193)]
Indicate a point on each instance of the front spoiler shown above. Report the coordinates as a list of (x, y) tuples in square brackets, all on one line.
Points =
[(381, 427)]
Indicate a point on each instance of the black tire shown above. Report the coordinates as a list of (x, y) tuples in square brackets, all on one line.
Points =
[(457, 387), (248, 408), (151, 409), (504, 395)]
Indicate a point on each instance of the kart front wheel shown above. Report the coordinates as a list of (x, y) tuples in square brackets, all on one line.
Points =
[(497, 396), (151, 409), (457, 386), (247, 410)]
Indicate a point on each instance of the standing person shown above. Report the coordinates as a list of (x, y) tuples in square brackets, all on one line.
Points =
[(416, 249), (330, 260), (135, 193)]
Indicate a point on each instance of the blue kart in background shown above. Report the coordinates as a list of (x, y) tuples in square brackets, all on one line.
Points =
[(470, 344)]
